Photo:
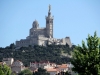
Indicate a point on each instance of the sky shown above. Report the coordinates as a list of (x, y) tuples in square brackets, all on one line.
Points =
[(72, 18)]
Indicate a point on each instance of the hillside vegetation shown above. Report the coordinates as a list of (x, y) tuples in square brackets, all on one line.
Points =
[(54, 53)]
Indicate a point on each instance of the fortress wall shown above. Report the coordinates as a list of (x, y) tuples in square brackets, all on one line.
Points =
[(42, 40), (68, 41), (34, 41), (23, 43)]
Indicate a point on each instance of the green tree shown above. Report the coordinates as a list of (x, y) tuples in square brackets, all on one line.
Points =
[(41, 72), (5, 70), (67, 73), (86, 58), (25, 72), (12, 46)]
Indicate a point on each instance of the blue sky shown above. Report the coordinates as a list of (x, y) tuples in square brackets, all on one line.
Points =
[(73, 18)]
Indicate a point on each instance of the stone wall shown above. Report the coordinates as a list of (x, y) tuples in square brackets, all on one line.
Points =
[(23, 42), (37, 32)]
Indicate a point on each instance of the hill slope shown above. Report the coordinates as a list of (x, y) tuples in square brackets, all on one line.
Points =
[(53, 53)]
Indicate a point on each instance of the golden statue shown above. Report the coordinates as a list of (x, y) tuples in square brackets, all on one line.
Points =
[(49, 7)]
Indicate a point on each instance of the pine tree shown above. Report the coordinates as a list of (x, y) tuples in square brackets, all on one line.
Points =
[(86, 58)]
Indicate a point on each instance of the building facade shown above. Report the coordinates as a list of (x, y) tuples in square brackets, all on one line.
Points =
[(43, 65), (17, 66), (8, 61), (43, 36), (51, 68)]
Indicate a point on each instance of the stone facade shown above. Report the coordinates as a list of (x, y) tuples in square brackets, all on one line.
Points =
[(42, 36), (43, 65), (17, 66), (8, 61)]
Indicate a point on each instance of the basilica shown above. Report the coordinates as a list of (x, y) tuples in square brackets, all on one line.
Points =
[(42, 36)]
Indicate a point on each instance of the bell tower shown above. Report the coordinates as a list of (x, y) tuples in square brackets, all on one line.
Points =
[(49, 24)]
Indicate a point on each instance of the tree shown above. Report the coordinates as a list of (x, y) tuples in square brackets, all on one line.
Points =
[(12, 46), (67, 73), (5, 70), (41, 72), (86, 58), (25, 72)]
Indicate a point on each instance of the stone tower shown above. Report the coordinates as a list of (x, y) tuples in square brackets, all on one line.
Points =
[(49, 24)]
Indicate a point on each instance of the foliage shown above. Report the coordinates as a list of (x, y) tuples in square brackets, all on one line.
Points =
[(5, 70), (52, 53), (41, 72), (86, 58), (67, 73), (25, 72)]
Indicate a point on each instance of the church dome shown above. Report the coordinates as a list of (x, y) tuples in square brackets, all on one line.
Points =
[(35, 24)]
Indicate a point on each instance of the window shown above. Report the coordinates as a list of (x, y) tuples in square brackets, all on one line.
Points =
[(47, 21)]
